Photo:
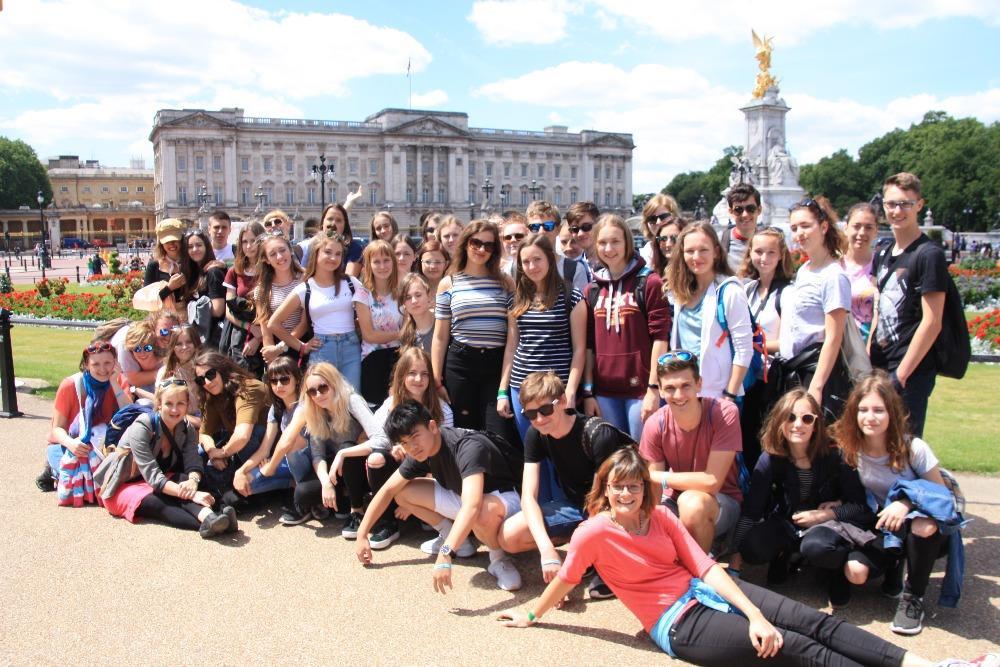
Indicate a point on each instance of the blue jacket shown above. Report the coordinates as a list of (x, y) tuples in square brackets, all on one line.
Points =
[(934, 501)]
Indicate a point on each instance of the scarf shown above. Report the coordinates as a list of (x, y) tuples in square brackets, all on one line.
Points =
[(95, 395)]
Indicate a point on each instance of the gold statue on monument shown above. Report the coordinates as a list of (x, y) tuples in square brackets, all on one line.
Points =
[(763, 56)]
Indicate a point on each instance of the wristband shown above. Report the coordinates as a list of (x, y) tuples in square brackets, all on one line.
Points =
[(551, 562), (531, 617), (729, 394), (442, 566), (502, 394), (589, 386)]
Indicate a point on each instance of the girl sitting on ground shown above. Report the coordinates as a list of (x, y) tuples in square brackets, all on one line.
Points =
[(185, 345)]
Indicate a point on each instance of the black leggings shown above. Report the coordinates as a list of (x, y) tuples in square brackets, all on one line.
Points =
[(704, 636), (309, 492), (376, 373), (921, 552), (170, 510), (821, 547), (377, 477)]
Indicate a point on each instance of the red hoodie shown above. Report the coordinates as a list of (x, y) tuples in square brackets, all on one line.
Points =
[(622, 339)]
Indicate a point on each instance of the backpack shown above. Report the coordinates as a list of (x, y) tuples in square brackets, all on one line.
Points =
[(569, 269), (758, 359), (511, 455), (124, 418), (952, 349), (590, 427), (639, 291)]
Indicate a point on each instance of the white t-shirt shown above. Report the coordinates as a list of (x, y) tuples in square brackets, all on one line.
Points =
[(125, 358), (331, 313), (225, 254), (813, 296), (447, 416), (767, 317), (878, 476), (385, 317)]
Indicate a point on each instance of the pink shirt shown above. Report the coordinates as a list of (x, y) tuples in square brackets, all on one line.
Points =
[(663, 441), (648, 573)]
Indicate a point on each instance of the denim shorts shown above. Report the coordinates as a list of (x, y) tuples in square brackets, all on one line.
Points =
[(561, 517)]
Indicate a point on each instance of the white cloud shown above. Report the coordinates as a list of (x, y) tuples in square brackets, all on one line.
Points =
[(521, 21), (430, 100)]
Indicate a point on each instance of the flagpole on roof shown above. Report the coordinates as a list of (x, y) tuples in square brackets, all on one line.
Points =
[(409, 79)]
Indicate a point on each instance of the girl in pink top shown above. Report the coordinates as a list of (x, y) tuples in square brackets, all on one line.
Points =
[(685, 601)]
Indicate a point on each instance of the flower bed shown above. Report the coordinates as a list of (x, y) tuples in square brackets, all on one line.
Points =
[(99, 307), (99, 278), (985, 329), (979, 287)]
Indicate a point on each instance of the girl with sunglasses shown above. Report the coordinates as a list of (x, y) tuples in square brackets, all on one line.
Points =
[(429, 222), (160, 480), (659, 211), (405, 253), (203, 275), (803, 499), (234, 407), (546, 329), (411, 379), (185, 344), (685, 601), (432, 262), (278, 273), (379, 320), (241, 338), (812, 328), (341, 432), (85, 403), (471, 329), (512, 234), (284, 381), (142, 345)]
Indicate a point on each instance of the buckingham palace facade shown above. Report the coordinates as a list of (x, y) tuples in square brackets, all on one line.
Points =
[(406, 161)]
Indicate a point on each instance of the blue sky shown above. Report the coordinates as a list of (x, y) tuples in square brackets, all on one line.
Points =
[(86, 78)]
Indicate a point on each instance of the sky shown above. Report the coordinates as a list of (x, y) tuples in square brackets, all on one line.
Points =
[(86, 78)]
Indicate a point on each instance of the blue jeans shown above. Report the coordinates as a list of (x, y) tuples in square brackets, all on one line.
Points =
[(300, 464), (53, 454), (915, 397), (625, 413), (344, 352), (561, 517)]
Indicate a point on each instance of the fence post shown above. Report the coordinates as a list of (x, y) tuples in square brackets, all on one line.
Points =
[(8, 390), (78, 274)]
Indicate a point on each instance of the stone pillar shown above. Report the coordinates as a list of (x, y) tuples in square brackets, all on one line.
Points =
[(191, 190), (419, 166), (168, 188), (434, 174), (452, 194), (230, 173), (628, 183), (388, 179)]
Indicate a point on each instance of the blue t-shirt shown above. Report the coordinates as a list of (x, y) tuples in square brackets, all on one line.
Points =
[(689, 327)]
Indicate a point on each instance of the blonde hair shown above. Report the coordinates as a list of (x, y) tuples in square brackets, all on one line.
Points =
[(324, 423), (786, 267), (612, 220), (541, 386), (162, 392)]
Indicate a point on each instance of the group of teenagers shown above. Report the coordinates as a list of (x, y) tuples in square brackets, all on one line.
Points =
[(533, 381)]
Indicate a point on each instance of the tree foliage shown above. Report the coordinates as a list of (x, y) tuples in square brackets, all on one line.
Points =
[(21, 175), (687, 187)]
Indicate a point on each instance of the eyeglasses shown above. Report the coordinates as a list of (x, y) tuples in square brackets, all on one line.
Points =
[(280, 380), (585, 227), (320, 389), (679, 355), (618, 489), (661, 217), (94, 348), (418, 375), (476, 244), (749, 208), (432, 262), (273, 222), (148, 347), (672, 238), (902, 204), (513, 237), (166, 332), (545, 411), (807, 418), (549, 225), (209, 375), (429, 230), (172, 382)]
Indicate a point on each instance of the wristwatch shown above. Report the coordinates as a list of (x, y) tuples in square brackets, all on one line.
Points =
[(446, 550)]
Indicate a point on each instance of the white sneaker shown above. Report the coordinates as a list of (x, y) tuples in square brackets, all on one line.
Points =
[(508, 578), (432, 547)]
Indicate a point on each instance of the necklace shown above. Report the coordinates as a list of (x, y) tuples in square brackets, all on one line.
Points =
[(641, 530)]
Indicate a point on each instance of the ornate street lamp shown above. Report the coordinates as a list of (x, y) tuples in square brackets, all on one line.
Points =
[(203, 199), (324, 174), (534, 190), (488, 192), (259, 196), (699, 213), (968, 212), (44, 254)]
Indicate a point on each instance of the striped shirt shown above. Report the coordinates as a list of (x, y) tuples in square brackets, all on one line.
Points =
[(544, 341), (277, 297), (477, 308)]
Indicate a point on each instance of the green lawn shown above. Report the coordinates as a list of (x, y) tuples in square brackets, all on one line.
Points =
[(962, 425)]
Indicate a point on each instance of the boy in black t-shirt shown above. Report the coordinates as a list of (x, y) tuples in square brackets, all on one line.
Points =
[(912, 278), (557, 435), (472, 489)]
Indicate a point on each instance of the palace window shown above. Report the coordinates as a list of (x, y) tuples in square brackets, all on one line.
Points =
[(268, 165), (182, 163), (216, 163), (199, 163)]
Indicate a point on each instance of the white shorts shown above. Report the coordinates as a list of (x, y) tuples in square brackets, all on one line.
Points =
[(447, 503)]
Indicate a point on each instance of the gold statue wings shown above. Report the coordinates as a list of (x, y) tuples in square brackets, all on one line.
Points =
[(763, 55)]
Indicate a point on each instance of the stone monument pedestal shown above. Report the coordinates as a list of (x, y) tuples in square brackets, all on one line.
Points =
[(776, 173)]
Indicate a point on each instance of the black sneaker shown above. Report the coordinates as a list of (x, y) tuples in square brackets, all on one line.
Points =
[(909, 615), (892, 583), (293, 517), (214, 524), (839, 590), (234, 524), (385, 534), (45, 481), (350, 530), (777, 570), (598, 590)]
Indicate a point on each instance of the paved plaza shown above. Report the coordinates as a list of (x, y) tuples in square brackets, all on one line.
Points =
[(80, 586)]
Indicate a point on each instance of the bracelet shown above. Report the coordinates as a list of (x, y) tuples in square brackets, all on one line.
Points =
[(531, 617), (554, 561), (502, 393), (442, 566), (589, 386), (729, 394)]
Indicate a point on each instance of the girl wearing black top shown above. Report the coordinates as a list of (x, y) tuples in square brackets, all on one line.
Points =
[(165, 263), (204, 277)]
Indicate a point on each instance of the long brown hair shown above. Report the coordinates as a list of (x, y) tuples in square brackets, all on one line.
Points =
[(172, 363), (317, 243), (848, 434), (283, 365), (834, 240), (680, 280), (408, 332), (265, 275), (378, 247), (234, 381), (626, 464), (408, 356), (772, 436), (240, 263), (461, 258), (525, 291)]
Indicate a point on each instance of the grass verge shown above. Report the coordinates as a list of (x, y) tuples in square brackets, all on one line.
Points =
[(47, 353)]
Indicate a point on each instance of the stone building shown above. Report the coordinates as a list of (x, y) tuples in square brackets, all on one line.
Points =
[(406, 161)]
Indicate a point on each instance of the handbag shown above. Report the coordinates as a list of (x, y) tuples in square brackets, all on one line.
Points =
[(854, 352)]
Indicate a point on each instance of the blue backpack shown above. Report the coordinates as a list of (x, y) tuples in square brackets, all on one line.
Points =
[(123, 419), (756, 370)]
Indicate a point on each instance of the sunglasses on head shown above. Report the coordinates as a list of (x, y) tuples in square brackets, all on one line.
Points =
[(280, 380), (749, 208), (319, 389), (660, 217), (807, 418), (679, 355), (273, 222), (209, 375), (545, 411), (517, 236), (171, 382), (585, 227), (476, 244), (548, 225), (672, 238), (93, 348), (148, 347)]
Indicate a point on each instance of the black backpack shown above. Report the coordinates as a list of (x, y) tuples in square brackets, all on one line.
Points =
[(952, 349), (590, 428), (513, 456)]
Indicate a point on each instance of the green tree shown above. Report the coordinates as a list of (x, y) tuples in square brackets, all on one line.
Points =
[(21, 175), (838, 178), (687, 187)]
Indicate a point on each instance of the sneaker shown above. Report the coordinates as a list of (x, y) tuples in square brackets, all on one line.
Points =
[(985, 660), (350, 530), (293, 517), (45, 481), (597, 589), (321, 513), (839, 590), (385, 534), (341, 516), (909, 615), (777, 570), (214, 524), (508, 578), (234, 525), (892, 583), (432, 547)]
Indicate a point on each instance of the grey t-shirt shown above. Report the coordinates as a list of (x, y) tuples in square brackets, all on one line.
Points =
[(814, 295), (878, 476)]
